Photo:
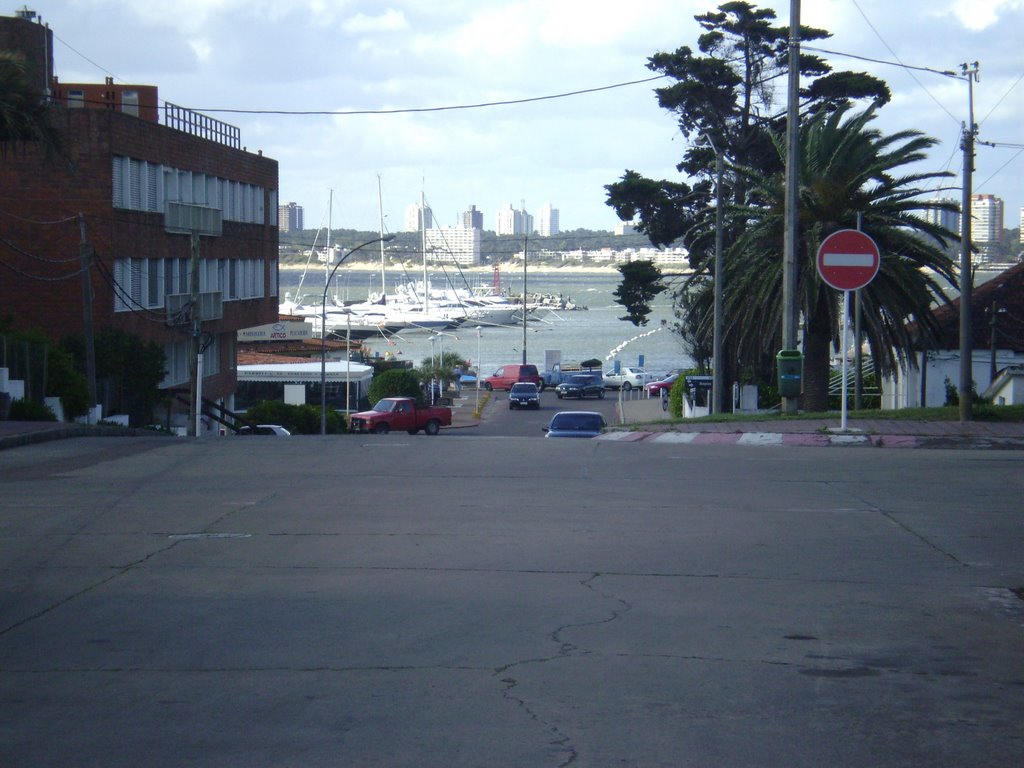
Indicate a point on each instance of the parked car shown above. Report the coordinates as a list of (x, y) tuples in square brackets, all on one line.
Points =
[(627, 378), (401, 413), (264, 429), (524, 394), (581, 385), (655, 387), (575, 424), (507, 375)]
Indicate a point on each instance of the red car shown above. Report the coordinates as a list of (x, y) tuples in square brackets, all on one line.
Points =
[(655, 387)]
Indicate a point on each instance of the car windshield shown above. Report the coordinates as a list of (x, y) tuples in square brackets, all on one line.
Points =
[(580, 380), (386, 406), (577, 422), (524, 388)]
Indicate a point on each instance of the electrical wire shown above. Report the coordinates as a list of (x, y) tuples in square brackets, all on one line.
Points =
[(909, 69)]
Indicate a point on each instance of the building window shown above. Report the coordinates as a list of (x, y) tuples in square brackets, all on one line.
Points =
[(130, 103), (76, 98)]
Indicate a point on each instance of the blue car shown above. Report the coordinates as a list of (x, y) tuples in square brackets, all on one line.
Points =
[(575, 424)]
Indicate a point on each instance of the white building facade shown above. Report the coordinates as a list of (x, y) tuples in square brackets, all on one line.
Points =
[(458, 244), (418, 217), (547, 221), (513, 222)]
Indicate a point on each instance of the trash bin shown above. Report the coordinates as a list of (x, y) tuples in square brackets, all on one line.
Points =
[(791, 372)]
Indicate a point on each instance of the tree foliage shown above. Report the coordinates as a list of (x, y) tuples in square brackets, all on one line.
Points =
[(397, 382), (847, 168), (641, 283), (24, 115)]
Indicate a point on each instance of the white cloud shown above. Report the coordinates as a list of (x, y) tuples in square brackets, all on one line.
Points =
[(389, 21), (981, 14)]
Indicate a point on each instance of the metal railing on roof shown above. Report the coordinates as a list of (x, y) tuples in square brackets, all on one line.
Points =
[(197, 124)]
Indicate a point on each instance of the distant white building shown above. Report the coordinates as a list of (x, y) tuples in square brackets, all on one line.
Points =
[(289, 217), (458, 244), (417, 217), (513, 222), (986, 222), (948, 219), (547, 221), (625, 228)]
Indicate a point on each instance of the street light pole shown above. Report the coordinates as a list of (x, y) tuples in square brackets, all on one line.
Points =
[(323, 332), (479, 368)]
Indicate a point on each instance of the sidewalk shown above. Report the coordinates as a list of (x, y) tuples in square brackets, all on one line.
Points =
[(643, 419)]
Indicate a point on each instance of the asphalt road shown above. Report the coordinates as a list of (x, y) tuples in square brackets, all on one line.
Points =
[(500, 421), (473, 601)]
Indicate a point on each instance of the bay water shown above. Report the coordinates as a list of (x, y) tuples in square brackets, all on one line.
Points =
[(579, 334)]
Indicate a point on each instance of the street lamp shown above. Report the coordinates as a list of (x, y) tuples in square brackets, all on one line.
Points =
[(479, 368), (323, 332)]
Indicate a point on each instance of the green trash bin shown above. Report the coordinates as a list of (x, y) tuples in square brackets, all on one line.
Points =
[(791, 372)]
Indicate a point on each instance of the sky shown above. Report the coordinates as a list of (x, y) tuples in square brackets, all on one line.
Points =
[(331, 56)]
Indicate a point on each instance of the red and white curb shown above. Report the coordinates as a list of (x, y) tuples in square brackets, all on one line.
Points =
[(766, 439)]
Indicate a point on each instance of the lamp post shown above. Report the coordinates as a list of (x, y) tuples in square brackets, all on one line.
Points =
[(323, 332), (479, 368), (433, 368)]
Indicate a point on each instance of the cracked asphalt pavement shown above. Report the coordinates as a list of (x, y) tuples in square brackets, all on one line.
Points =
[(473, 601)]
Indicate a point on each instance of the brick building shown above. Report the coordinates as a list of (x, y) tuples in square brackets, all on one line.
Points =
[(139, 192)]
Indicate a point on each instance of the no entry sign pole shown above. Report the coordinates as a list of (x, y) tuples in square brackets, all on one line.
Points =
[(847, 260)]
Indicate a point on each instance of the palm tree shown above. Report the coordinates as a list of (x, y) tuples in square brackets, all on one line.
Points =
[(847, 168)]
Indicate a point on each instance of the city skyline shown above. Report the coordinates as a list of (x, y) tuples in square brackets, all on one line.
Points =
[(326, 90)]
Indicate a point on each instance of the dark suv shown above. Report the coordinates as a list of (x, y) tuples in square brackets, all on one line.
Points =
[(581, 385), (524, 394)]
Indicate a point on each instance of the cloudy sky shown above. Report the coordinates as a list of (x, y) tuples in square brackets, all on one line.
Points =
[(333, 56)]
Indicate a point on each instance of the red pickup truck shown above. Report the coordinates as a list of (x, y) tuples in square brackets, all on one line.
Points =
[(401, 413)]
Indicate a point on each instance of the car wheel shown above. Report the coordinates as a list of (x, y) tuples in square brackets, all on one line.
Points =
[(626, 386), (487, 386), (382, 428), (433, 427), (559, 395), (600, 395)]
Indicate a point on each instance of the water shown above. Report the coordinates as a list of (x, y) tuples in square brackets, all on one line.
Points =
[(596, 332)]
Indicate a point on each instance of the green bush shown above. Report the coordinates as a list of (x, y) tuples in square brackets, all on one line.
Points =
[(30, 410), (395, 383), (297, 419)]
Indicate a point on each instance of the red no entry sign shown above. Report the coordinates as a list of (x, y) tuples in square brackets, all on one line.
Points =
[(848, 260)]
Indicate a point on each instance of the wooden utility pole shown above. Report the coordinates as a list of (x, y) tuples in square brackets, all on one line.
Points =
[(718, 371), (790, 240), (970, 72)]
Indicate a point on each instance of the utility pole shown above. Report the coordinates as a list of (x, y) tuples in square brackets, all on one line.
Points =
[(790, 242), (718, 371), (194, 351), (970, 72), (85, 257), (526, 239)]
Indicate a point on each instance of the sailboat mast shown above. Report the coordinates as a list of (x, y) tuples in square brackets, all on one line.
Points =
[(423, 241), (327, 258), (380, 213)]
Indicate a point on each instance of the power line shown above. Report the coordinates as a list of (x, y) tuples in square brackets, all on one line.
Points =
[(448, 108), (909, 70)]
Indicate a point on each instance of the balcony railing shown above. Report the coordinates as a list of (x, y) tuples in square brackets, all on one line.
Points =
[(205, 127)]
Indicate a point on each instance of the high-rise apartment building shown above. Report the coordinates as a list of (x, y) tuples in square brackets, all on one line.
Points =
[(986, 223), (473, 219), (513, 222), (418, 217), (547, 221), (289, 217), (454, 244), (947, 219)]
